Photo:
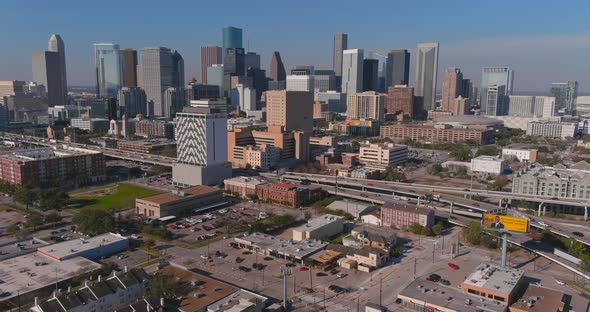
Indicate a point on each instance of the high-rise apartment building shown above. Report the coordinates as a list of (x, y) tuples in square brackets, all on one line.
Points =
[(108, 69), (132, 101), (426, 73), (370, 75), (56, 44), (324, 80), (365, 105), (301, 80), (400, 100), (234, 61), (565, 94), (352, 71), (340, 44), (452, 88), (210, 55), (397, 68), (277, 69), (292, 110), (495, 99), (46, 71), (201, 136), (491, 76), (129, 68), (162, 68)]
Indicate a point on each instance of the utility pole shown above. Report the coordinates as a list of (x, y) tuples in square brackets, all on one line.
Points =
[(285, 272), (415, 267), (380, 290)]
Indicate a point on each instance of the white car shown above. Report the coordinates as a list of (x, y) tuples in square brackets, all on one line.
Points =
[(204, 257), (541, 223), (341, 275), (559, 282)]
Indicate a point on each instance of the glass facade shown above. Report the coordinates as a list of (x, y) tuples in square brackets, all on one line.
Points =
[(108, 69)]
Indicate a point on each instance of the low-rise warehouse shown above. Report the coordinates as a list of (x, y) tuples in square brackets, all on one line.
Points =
[(178, 203), (321, 227), (91, 248), (280, 247)]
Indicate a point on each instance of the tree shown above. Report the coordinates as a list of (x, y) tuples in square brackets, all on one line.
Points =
[(53, 218), (461, 152), (248, 166), (25, 195), (164, 286), (473, 233), (134, 172), (489, 150), (149, 243), (416, 228), (437, 229), (94, 221), (499, 184), (35, 220), (53, 198), (435, 169)]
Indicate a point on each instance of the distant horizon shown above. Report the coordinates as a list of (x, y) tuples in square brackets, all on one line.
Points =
[(539, 52)]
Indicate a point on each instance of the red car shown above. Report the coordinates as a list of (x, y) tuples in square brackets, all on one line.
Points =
[(370, 184), (453, 266), (303, 269)]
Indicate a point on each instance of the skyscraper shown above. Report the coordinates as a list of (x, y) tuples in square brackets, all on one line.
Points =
[(232, 38), (210, 55), (215, 74), (370, 75), (201, 136), (352, 71), (107, 60), (452, 88), (47, 71), (292, 110), (340, 44), (234, 61), (324, 80), (129, 68), (492, 76), (426, 73), (365, 105), (277, 69), (132, 101), (301, 80), (162, 68), (400, 100), (174, 101), (397, 68), (565, 94), (251, 60), (495, 99), (56, 44)]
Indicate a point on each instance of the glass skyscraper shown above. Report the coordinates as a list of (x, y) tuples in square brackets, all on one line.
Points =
[(232, 38), (494, 76), (565, 94), (108, 69)]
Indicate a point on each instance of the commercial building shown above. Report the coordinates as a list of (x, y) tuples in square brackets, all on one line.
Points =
[(487, 164), (324, 80), (244, 186), (374, 237), (132, 101), (36, 165), (279, 247), (351, 127), (493, 282), (218, 105), (336, 101), (149, 146), (202, 148), (400, 101), (232, 37), (56, 45), (246, 98), (233, 62), (495, 101), (91, 124), (11, 88), (459, 106), (437, 133), (397, 68), (149, 128), (340, 44), (210, 55), (301, 80), (370, 75), (452, 88), (531, 106), (494, 76), (215, 77), (554, 182), (112, 293), (354, 208), (292, 145), (322, 227), (162, 68), (288, 194), (277, 69), (565, 94), (403, 215), (47, 72), (178, 203), (552, 129), (174, 102), (108, 67), (90, 248), (297, 105), (426, 73), (521, 154), (352, 71), (381, 156), (366, 105), (540, 299), (129, 60), (262, 157)]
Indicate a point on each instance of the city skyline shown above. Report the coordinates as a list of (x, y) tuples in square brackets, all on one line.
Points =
[(529, 48)]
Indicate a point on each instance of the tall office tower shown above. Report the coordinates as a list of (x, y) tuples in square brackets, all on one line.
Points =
[(340, 44), (56, 44), (139, 71), (397, 68), (491, 76), (161, 69), (545, 106), (215, 77), (201, 138), (495, 99), (210, 55), (11, 88), (47, 71), (232, 38), (459, 106), (426, 73), (132, 101), (107, 60), (292, 110), (370, 75), (565, 94), (301, 80), (174, 101), (234, 61), (129, 57), (352, 71), (365, 105), (400, 100), (324, 80), (277, 69), (251, 60), (246, 98), (452, 88), (260, 82), (467, 91)]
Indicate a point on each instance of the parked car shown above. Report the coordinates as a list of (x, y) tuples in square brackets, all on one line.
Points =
[(245, 269), (337, 289), (578, 234), (321, 274), (453, 266), (341, 275), (303, 268)]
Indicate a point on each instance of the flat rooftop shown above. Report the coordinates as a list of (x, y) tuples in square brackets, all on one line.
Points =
[(245, 180), (352, 207), (316, 223), (164, 198), (64, 249), (35, 154), (448, 297), (34, 271), (493, 277), (241, 300), (20, 247), (488, 158), (539, 299), (149, 142), (405, 206), (285, 247)]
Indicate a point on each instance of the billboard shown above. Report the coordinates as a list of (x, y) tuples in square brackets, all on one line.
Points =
[(507, 223)]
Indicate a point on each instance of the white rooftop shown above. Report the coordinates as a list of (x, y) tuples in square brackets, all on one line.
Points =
[(76, 246), (247, 180), (492, 277), (316, 223)]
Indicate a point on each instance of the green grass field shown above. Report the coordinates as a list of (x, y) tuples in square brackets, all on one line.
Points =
[(116, 196)]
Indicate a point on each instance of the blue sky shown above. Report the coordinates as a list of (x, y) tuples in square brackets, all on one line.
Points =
[(543, 41)]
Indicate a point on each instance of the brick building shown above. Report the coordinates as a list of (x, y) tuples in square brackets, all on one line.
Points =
[(288, 194), (242, 185), (438, 133), (154, 129), (403, 215)]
